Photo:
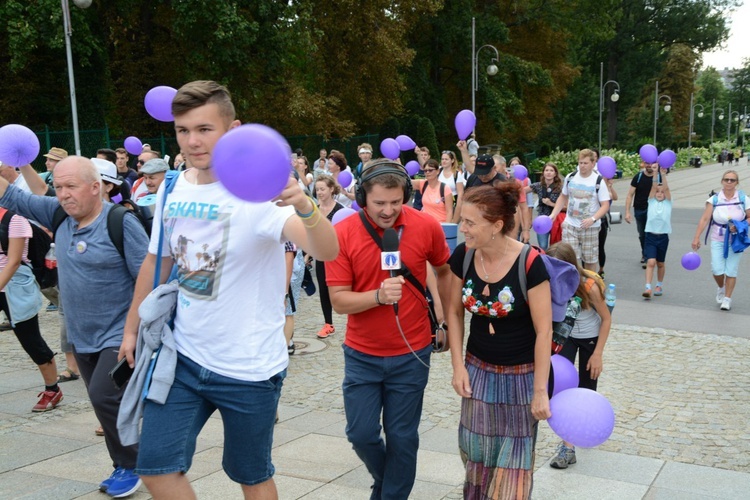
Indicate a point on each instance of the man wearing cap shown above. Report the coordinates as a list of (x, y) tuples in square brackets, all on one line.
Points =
[(54, 156), (90, 270), (153, 172), (145, 156)]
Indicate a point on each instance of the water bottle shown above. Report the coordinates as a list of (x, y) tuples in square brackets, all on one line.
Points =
[(610, 297), (50, 260), (561, 330)]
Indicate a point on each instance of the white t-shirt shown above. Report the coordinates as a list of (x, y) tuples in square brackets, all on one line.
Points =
[(723, 212), (583, 202), (450, 181), (230, 310)]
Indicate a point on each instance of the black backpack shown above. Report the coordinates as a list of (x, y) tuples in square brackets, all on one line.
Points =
[(39, 245)]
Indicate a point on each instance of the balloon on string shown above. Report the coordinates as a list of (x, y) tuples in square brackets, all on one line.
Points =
[(465, 123), (133, 145), (405, 143), (649, 153), (341, 215), (252, 162), (19, 146), (345, 179), (412, 168), (582, 417), (607, 167), (564, 373), (390, 148), (542, 224), (158, 102), (667, 158), (520, 172), (691, 261)]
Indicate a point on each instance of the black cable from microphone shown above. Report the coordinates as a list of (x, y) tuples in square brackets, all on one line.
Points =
[(390, 244)]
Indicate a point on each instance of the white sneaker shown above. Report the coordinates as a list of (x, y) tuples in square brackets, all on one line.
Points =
[(726, 304), (720, 295)]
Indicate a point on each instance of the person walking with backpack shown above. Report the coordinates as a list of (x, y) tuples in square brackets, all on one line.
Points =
[(640, 187), (721, 209), (434, 193), (587, 339)]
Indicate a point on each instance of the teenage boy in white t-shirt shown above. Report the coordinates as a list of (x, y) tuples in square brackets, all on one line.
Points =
[(587, 203), (229, 322)]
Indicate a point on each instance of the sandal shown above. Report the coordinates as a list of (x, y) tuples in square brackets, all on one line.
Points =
[(99, 431), (67, 375)]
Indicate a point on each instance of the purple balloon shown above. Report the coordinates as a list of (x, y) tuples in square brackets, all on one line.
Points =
[(19, 146), (341, 215), (667, 158), (345, 179), (465, 123), (649, 153), (252, 162), (520, 172), (406, 143), (412, 168), (158, 103), (542, 224), (390, 148), (133, 145), (607, 167), (582, 417), (566, 376), (355, 206), (691, 261)]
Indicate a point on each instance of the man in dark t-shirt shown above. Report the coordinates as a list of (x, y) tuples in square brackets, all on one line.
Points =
[(637, 197)]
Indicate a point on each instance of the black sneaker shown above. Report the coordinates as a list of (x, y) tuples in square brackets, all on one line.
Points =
[(291, 348), (643, 262)]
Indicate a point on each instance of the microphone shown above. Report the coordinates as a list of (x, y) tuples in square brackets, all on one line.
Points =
[(390, 257)]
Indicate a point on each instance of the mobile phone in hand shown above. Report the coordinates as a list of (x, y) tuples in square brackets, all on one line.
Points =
[(121, 373)]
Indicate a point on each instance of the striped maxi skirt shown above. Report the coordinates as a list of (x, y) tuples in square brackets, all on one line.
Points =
[(497, 432)]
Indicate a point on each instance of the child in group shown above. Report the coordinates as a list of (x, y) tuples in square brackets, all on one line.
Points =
[(589, 334), (658, 229)]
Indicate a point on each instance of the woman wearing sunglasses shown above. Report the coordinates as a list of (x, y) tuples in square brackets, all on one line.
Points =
[(452, 176), (722, 209), (437, 197)]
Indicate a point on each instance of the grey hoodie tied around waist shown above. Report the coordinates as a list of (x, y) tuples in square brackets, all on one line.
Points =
[(156, 311)]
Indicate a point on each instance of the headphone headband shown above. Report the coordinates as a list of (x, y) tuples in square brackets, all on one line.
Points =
[(382, 168)]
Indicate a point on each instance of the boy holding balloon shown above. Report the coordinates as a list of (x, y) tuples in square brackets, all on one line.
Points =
[(229, 320), (658, 229)]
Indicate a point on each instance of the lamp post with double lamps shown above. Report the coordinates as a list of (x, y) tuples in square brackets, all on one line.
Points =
[(736, 115), (491, 68), (68, 33), (614, 98), (692, 118), (657, 100), (713, 119)]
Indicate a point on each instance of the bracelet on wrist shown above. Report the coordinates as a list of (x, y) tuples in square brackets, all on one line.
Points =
[(377, 297), (310, 214)]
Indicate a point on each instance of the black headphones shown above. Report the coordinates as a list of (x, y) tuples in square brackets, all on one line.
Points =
[(386, 167)]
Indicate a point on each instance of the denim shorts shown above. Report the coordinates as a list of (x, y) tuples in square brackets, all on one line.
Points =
[(248, 411)]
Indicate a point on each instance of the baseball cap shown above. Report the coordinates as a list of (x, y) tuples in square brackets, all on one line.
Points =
[(107, 170), (484, 165), (56, 154), (154, 165)]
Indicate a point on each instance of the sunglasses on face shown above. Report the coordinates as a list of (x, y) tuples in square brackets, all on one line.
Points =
[(430, 170), (729, 180), (449, 153)]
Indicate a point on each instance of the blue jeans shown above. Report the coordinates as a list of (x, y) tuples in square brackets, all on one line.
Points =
[(248, 411), (641, 216), (394, 385)]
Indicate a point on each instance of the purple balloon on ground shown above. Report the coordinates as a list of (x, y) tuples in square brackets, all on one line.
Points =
[(565, 374), (390, 148), (649, 153), (667, 158), (582, 417), (252, 162), (19, 146), (412, 168), (465, 123), (542, 224), (607, 167), (158, 102), (133, 145), (345, 179), (520, 172), (691, 261), (341, 215), (406, 143)]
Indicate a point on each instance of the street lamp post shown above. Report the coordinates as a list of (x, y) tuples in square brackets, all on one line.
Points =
[(657, 100), (729, 121), (68, 33), (692, 119), (491, 69), (614, 97), (713, 119)]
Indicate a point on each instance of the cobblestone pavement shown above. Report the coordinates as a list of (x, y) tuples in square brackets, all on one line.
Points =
[(678, 396)]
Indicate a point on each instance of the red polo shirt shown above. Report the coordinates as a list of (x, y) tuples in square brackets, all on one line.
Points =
[(375, 331)]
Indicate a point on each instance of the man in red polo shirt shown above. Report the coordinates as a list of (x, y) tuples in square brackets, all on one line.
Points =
[(386, 357)]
